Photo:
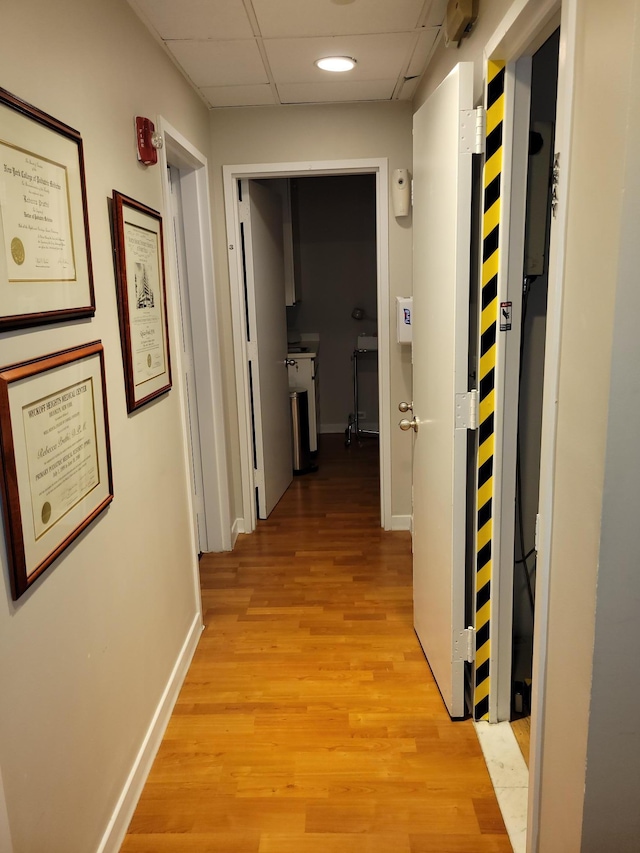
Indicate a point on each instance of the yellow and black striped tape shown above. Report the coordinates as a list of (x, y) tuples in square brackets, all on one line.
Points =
[(486, 377)]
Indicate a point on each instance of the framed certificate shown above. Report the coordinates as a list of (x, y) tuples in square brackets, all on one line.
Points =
[(55, 461), (45, 256), (142, 300)]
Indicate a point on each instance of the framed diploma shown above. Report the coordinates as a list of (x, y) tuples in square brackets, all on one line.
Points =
[(45, 257), (142, 300), (55, 461)]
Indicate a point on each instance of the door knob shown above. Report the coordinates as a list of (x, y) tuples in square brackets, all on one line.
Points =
[(290, 362), (405, 407), (405, 424)]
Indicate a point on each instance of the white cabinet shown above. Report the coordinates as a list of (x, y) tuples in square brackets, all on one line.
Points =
[(303, 374)]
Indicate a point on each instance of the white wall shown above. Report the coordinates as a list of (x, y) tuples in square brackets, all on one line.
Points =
[(87, 652), (326, 132)]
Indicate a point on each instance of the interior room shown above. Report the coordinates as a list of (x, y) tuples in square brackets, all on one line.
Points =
[(335, 263), (531, 371)]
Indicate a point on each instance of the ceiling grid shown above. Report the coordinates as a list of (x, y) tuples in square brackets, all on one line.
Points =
[(257, 52)]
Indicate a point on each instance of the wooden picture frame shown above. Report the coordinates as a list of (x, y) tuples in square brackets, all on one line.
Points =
[(55, 459), (45, 253), (142, 300)]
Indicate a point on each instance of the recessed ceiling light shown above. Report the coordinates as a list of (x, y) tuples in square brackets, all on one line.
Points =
[(336, 63)]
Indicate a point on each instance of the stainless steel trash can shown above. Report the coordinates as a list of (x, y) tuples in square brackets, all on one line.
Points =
[(300, 431)]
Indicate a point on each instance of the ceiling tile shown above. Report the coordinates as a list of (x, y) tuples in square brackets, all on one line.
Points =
[(356, 90), (421, 54), (190, 19), (220, 63), (238, 96), (379, 57), (334, 17), (435, 13)]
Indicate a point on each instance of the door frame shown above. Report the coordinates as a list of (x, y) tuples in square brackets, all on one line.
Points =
[(174, 223), (518, 100), (521, 32), (209, 409), (231, 175)]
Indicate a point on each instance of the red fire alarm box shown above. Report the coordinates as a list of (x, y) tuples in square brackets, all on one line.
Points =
[(145, 131)]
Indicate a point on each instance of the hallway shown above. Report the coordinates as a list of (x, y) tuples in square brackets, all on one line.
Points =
[(309, 721)]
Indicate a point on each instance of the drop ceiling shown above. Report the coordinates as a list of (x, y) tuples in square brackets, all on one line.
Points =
[(256, 52)]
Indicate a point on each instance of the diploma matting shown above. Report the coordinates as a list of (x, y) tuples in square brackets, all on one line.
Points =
[(56, 463), (45, 256)]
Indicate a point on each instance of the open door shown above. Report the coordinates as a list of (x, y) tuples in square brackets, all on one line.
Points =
[(188, 360), (261, 218), (441, 270)]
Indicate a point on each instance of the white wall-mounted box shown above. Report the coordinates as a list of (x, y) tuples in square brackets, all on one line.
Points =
[(404, 315)]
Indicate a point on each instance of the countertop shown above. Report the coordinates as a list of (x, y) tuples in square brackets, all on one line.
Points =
[(295, 352)]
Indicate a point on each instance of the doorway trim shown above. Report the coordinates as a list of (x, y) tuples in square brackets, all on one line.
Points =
[(209, 409), (525, 27), (231, 175)]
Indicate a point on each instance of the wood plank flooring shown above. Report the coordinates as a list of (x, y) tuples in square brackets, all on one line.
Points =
[(522, 731), (309, 721)]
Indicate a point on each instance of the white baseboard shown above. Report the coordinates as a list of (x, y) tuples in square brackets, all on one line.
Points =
[(236, 529), (128, 800), (401, 522), (6, 844)]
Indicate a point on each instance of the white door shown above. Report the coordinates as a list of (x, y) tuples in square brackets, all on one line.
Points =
[(441, 268), (191, 401), (261, 218)]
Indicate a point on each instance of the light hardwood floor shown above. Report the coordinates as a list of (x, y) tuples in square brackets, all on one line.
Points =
[(309, 721), (522, 730)]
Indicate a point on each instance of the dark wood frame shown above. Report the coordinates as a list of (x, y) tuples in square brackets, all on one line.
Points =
[(66, 312), (17, 528), (120, 203)]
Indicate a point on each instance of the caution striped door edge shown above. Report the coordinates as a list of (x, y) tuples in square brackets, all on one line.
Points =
[(492, 185)]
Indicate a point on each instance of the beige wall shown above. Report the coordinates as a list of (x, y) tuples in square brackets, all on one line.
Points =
[(595, 196), (293, 134), (611, 818), (86, 654)]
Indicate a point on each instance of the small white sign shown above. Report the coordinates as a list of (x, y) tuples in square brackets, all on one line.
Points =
[(403, 324), (505, 316)]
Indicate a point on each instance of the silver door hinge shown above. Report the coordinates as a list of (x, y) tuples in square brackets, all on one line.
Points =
[(464, 649), (536, 535), (472, 131), (252, 350), (555, 180), (467, 410)]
